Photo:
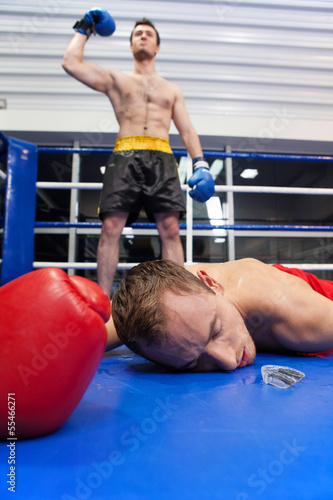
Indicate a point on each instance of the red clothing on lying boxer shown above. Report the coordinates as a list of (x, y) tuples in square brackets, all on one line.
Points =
[(324, 287)]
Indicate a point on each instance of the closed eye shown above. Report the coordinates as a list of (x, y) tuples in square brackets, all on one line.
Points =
[(214, 332), (217, 334), (201, 359)]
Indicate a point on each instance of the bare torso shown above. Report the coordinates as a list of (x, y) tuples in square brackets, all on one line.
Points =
[(143, 104), (280, 311)]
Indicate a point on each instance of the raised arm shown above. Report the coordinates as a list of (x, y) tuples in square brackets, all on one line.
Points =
[(90, 74)]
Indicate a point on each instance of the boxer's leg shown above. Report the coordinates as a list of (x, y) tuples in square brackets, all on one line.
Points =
[(168, 227), (108, 248)]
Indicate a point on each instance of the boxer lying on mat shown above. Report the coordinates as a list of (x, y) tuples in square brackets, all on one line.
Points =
[(209, 317)]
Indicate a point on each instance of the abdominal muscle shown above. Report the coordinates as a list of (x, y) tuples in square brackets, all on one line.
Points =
[(142, 109), (145, 120)]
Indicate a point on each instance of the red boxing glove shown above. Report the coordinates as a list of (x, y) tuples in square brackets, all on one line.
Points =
[(52, 339)]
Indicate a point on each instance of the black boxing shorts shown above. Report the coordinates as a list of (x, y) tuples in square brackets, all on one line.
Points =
[(141, 172)]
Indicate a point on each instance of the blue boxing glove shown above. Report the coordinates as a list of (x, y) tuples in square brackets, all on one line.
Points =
[(98, 20), (202, 180)]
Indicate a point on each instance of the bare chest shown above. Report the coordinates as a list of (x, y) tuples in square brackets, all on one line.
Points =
[(143, 91)]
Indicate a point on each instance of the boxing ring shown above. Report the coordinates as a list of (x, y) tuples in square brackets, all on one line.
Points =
[(141, 432), (20, 226)]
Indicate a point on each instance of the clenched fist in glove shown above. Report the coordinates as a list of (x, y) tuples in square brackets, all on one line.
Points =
[(52, 338), (202, 180), (96, 19)]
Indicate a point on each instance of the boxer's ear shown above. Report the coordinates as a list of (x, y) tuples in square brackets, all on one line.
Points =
[(211, 282)]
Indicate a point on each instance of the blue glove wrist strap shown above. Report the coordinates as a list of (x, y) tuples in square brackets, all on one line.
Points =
[(200, 162), (83, 27), (198, 158)]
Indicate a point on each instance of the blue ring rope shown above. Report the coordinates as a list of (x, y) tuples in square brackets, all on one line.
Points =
[(229, 227), (208, 154)]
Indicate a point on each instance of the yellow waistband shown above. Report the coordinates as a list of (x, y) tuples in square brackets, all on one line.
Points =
[(142, 142)]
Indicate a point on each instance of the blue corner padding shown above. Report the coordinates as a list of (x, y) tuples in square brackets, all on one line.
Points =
[(20, 208)]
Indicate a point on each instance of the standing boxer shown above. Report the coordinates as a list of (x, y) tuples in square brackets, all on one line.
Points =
[(142, 171)]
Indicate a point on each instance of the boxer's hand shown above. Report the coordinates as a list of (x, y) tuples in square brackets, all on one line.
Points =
[(202, 180), (52, 339), (98, 20)]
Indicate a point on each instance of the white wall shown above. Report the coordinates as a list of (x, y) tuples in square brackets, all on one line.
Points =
[(247, 68)]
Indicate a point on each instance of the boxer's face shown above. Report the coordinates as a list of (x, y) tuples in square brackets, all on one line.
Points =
[(144, 42), (205, 332)]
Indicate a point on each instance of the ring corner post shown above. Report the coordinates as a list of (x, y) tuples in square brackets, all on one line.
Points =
[(19, 210)]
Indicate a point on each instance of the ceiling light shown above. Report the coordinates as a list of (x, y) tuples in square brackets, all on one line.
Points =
[(249, 173)]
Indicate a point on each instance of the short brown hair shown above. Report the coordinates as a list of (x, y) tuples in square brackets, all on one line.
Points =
[(137, 306), (147, 22)]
